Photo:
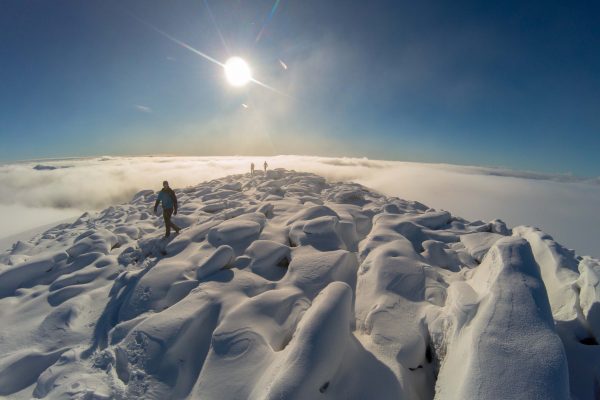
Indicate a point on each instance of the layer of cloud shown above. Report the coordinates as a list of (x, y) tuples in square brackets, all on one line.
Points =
[(17, 219), (563, 206)]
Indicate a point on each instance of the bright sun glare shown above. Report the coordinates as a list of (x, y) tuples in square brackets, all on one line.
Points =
[(237, 71)]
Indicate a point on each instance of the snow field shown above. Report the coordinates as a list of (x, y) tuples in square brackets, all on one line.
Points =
[(286, 286)]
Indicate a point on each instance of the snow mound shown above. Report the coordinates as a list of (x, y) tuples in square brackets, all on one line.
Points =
[(285, 286)]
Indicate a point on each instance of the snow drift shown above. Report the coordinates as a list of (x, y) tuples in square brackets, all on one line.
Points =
[(286, 286)]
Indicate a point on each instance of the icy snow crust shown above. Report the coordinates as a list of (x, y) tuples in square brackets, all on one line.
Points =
[(285, 286)]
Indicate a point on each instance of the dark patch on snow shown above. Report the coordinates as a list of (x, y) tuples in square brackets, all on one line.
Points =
[(323, 388), (589, 341), (284, 262)]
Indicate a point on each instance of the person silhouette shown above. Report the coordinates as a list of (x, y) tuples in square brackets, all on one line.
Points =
[(251, 168), (169, 205), (265, 165)]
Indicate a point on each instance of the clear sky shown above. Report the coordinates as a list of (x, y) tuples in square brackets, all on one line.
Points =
[(514, 84)]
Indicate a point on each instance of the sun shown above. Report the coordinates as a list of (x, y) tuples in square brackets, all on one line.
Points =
[(237, 71)]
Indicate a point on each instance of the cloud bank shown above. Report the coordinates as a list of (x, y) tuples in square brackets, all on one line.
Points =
[(563, 206)]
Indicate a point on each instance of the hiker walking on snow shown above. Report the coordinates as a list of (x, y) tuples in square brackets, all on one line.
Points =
[(265, 165), (169, 206), (251, 168)]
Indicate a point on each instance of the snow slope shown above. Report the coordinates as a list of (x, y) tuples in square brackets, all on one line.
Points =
[(286, 286)]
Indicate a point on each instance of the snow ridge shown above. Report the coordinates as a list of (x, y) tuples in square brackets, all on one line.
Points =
[(285, 286)]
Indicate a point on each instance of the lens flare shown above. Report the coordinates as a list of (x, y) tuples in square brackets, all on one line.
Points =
[(237, 71)]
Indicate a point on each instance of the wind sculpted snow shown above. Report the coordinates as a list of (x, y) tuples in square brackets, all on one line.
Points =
[(285, 286)]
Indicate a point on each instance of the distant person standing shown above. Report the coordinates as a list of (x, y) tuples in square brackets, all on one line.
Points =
[(265, 165), (251, 168), (169, 206)]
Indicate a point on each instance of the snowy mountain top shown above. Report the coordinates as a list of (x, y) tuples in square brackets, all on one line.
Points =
[(284, 285)]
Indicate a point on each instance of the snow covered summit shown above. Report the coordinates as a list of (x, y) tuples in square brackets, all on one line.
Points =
[(285, 286)]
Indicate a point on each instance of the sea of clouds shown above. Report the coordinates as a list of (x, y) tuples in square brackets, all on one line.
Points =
[(38, 193)]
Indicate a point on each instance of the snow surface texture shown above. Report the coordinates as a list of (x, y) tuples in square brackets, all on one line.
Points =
[(285, 286)]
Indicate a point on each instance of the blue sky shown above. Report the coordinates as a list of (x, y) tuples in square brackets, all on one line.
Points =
[(513, 84)]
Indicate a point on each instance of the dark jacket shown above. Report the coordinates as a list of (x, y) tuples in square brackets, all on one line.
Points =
[(168, 198)]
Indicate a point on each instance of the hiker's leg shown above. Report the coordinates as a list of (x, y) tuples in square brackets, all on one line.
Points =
[(167, 212), (171, 224), (166, 219)]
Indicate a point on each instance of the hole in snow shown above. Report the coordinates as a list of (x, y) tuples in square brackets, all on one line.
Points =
[(589, 341), (284, 262), (428, 355)]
